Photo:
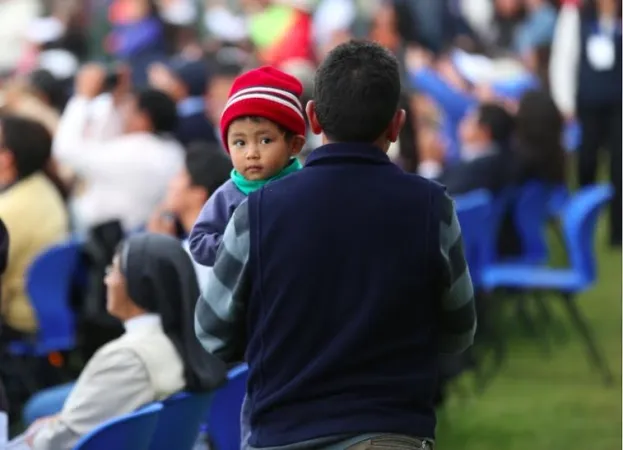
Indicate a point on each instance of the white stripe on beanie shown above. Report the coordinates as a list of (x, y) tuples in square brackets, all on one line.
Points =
[(269, 97), (269, 90)]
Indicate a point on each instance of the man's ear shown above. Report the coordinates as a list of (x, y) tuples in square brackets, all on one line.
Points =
[(310, 109), (393, 131)]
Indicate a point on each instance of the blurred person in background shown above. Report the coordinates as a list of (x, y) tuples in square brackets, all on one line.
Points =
[(207, 168), (535, 32), (538, 139), (23, 99), (152, 289), (224, 68), (15, 16), (125, 176), (485, 136), (137, 37), (586, 84), (34, 213), (185, 82)]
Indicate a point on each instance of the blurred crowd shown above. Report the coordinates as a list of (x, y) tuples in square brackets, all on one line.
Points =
[(110, 109)]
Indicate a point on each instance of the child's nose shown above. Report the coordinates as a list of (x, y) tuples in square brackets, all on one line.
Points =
[(252, 152)]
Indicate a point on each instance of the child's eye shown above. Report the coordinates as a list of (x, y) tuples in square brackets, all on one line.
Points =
[(239, 143), (266, 141)]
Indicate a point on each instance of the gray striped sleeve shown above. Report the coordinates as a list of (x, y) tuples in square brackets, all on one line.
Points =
[(458, 321), (220, 310)]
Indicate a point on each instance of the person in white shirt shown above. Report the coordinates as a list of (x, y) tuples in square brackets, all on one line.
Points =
[(153, 291), (125, 154)]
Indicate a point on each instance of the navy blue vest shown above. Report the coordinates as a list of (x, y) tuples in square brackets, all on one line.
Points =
[(598, 88), (343, 316)]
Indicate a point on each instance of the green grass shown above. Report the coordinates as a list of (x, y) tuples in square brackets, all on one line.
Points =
[(549, 402)]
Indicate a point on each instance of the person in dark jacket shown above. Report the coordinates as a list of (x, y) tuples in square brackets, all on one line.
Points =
[(344, 282), (485, 158), (185, 81)]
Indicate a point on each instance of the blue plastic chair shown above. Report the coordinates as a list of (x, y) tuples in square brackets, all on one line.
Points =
[(180, 421), (130, 432), (49, 282), (473, 211), (579, 221), (530, 214), (224, 415)]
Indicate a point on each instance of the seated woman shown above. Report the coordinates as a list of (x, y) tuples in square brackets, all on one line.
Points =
[(152, 288)]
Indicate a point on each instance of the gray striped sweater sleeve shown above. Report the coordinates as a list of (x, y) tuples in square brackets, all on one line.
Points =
[(220, 310), (458, 312)]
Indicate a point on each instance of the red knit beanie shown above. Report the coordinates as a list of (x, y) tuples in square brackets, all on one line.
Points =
[(269, 93)]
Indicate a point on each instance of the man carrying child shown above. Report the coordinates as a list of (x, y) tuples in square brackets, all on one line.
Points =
[(341, 284)]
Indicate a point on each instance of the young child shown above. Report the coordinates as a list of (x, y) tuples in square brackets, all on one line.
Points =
[(263, 128)]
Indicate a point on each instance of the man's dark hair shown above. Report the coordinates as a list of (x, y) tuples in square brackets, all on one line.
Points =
[(160, 108), (498, 120), (208, 165), (28, 141), (356, 92)]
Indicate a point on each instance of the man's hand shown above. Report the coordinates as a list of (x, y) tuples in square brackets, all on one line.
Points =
[(90, 81), (162, 222)]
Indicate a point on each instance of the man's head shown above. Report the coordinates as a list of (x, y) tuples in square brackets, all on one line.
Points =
[(25, 148), (263, 124), (356, 95), (207, 168), (489, 124), (152, 111)]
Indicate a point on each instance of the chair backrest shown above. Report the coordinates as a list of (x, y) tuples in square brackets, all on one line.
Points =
[(530, 216), (130, 432), (49, 283), (180, 421), (500, 207), (224, 415), (579, 221), (474, 210)]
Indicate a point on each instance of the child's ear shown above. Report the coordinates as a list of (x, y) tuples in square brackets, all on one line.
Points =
[(297, 144)]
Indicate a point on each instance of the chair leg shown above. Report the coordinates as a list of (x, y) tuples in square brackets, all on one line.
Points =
[(547, 318), (594, 353)]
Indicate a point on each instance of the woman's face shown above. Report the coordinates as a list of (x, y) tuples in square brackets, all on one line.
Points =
[(118, 303)]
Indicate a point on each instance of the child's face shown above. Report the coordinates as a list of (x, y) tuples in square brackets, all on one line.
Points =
[(259, 149)]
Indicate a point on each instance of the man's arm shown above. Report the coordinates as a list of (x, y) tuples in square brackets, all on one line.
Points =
[(458, 309), (220, 311)]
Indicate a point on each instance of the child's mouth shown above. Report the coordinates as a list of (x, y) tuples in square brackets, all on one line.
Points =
[(253, 169)]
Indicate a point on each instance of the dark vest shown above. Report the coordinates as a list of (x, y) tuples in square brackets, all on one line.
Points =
[(342, 319), (598, 88)]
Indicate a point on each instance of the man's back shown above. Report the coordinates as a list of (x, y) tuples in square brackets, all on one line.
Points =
[(352, 323)]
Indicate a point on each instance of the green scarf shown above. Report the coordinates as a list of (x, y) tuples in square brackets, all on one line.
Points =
[(247, 186)]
